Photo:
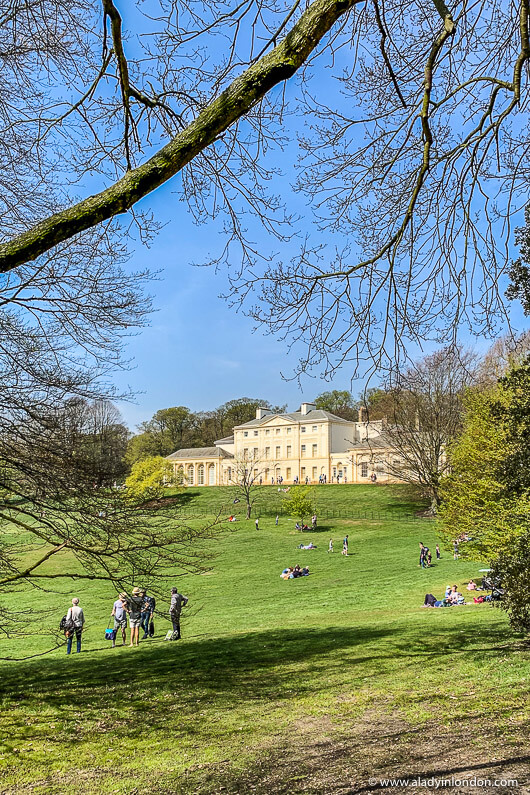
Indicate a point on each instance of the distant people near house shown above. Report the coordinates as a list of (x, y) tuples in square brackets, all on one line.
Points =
[(373, 477), (136, 603), (119, 613), (75, 621), (178, 601)]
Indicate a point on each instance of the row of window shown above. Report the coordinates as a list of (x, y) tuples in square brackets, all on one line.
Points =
[(190, 474), (278, 453), (303, 429)]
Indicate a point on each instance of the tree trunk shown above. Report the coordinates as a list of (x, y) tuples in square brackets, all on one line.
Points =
[(249, 509)]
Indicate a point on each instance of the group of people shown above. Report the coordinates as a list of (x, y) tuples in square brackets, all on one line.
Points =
[(426, 555), (452, 597), (292, 572), (138, 609)]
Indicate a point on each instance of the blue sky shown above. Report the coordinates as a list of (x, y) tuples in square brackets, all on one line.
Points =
[(198, 351)]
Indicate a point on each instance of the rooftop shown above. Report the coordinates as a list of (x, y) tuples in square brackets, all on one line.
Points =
[(200, 452), (296, 417)]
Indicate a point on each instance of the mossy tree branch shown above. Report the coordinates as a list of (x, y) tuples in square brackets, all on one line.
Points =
[(243, 93)]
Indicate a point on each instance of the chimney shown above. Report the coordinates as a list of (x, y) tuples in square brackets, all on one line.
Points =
[(262, 412), (363, 414), (305, 408)]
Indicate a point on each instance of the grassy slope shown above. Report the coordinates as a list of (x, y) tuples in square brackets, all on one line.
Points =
[(262, 657)]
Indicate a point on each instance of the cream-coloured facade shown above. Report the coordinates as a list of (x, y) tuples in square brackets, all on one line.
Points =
[(309, 445)]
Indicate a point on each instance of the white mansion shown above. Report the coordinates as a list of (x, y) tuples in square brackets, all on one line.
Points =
[(303, 446)]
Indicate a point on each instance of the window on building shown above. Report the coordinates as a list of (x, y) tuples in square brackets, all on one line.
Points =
[(245, 433), (255, 452), (255, 433), (288, 473), (278, 449), (289, 448), (288, 430), (267, 431), (303, 450), (229, 473), (302, 429), (200, 475), (364, 469), (245, 452), (314, 450), (278, 430), (302, 472), (267, 452), (314, 428), (314, 473), (191, 475)]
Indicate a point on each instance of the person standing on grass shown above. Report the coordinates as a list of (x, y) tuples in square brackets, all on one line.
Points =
[(277, 517), (119, 613), (148, 611), (257, 524), (178, 601), (438, 555), (330, 548), (136, 603), (76, 619), (345, 546)]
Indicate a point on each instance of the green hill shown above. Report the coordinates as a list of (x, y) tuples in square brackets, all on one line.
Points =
[(310, 685)]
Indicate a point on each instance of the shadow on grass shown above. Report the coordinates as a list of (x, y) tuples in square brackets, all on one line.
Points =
[(260, 665)]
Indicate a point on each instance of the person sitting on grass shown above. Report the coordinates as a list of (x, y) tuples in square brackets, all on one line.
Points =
[(297, 571), (471, 586), (305, 571), (286, 573)]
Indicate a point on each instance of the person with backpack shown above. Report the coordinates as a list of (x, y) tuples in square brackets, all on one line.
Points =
[(75, 620), (136, 603), (148, 611), (178, 601)]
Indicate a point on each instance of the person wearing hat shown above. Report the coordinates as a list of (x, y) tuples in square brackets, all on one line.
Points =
[(136, 602), (76, 617), (119, 613)]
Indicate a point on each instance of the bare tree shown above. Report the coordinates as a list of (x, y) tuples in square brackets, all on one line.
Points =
[(249, 470), (422, 203), (426, 416)]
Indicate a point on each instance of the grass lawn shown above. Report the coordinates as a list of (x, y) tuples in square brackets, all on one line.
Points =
[(311, 685)]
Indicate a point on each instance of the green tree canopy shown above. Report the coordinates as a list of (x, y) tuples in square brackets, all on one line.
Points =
[(487, 495), (148, 479), (299, 503), (339, 402)]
